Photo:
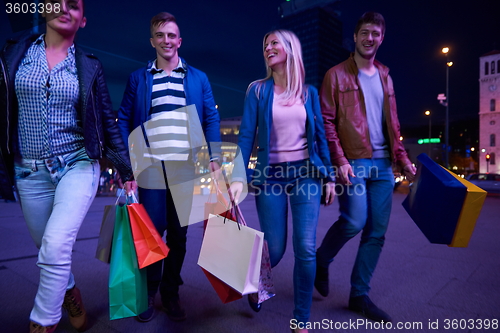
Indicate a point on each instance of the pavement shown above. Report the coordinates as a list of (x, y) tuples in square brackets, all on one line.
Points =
[(425, 287)]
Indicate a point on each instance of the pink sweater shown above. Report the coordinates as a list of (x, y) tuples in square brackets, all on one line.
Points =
[(288, 134)]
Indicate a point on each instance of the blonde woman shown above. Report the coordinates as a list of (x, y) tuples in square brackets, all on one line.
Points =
[(292, 161)]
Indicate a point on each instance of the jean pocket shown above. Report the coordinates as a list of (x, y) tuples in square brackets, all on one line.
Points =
[(77, 156), (21, 172)]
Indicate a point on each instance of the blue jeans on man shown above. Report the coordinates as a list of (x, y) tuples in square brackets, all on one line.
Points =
[(364, 206)]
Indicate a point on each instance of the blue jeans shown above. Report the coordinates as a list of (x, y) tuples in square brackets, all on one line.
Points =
[(55, 194), (166, 274), (297, 182), (364, 205)]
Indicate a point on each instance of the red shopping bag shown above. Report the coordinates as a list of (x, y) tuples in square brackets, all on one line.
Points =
[(148, 243), (225, 292)]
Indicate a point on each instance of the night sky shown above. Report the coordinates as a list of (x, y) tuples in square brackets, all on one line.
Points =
[(223, 38)]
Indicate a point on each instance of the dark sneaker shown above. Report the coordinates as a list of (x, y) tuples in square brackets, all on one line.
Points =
[(76, 311), (174, 310), (253, 301), (149, 313), (364, 306), (321, 281), (35, 328)]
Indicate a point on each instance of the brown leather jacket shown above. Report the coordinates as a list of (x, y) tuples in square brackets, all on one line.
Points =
[(344, 115)]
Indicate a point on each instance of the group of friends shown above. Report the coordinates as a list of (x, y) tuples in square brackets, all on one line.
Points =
[(57, 121)]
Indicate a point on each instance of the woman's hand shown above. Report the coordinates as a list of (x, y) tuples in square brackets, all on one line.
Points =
[(330, 193), (236, 190)]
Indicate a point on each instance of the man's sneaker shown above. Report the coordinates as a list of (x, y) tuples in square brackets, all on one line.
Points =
[(364, 306), (35, 328), (174, 310), (76, 311), (149, 313), (321, 281)]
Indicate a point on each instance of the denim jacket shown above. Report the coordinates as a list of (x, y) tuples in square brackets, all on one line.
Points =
[(258, 114)]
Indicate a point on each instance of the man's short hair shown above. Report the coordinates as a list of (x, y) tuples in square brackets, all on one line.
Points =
[(373, 18), (160, 19)]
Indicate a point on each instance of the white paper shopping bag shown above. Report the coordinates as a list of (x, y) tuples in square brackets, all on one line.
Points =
[(232, 253)]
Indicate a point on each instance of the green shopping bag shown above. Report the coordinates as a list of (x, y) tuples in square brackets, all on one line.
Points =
[(128, 294)]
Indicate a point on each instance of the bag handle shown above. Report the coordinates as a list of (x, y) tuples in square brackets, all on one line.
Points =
[(119, 196), (235, 208), (133, 197)]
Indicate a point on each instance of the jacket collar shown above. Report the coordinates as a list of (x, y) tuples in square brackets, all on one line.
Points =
[(181, 66), (383, 70)]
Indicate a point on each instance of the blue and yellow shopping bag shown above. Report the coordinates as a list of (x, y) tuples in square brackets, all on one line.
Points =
[(444, 206)]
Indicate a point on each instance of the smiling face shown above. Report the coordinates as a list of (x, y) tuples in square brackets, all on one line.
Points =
[(274, 52), (68, 20), (166, 41), (368, 40)]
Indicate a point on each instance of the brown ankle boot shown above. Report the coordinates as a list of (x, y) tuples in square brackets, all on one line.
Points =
[(35, 328), (76, 311)]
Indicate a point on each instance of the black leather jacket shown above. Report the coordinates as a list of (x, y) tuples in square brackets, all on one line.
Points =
[(95, 110)]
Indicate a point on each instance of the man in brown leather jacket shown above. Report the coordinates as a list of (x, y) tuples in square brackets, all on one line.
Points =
[(362, 129)]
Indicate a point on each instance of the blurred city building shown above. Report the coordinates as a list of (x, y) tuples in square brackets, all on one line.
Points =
[(317, 24), (489, 112)]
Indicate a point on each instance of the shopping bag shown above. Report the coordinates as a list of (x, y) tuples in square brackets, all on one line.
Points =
[(444, 206), (232, 252), (128, 295), (149, 245), (103, 252), (266, 282), (223, 290), (218, 207)]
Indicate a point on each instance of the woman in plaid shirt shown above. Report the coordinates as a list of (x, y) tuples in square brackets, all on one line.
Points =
[(59, 123)]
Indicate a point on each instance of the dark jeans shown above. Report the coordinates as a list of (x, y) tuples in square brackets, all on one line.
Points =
[(166, 274), (364, 206)]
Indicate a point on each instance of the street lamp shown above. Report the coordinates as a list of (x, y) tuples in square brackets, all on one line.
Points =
[(445, 50), (428, 114)]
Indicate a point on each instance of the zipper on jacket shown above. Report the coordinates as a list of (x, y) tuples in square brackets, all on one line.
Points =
[(5, 74), (96, 127)]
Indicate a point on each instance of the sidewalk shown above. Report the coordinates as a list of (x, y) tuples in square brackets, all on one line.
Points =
[(415, 281)]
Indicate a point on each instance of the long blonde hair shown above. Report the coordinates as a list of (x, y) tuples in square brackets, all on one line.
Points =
[(295, 72)]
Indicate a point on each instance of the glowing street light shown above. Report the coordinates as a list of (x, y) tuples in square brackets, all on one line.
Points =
[(445, 51), (428, 114)]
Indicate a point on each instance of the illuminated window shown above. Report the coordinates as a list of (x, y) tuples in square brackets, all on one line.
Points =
[(492, 104)]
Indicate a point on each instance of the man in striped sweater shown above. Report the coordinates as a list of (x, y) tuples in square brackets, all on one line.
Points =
[(156, 94)]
